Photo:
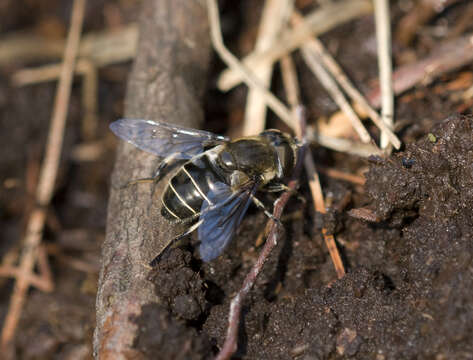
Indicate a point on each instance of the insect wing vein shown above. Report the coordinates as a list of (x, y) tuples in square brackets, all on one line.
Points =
[(164, 139)]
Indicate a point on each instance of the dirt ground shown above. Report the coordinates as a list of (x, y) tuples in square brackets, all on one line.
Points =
[(408, 290)]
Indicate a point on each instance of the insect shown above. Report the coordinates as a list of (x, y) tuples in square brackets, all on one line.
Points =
[(212, 190)]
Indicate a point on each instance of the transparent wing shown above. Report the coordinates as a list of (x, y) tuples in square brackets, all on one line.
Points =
[(164, 139), (221, 218)]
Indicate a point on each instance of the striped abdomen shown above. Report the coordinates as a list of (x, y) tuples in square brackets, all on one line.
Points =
[(186, 190)]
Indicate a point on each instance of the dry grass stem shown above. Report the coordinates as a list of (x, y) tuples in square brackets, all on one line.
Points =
[(47, 178), (383, 38), (291, 85), (343, 145), (101, 48), (318, 22), (274, 17), (338, 74), (46, 73), (313, 62), (249, 77), (83, 67)]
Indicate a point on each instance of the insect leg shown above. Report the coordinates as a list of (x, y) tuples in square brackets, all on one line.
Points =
[(277, 187), (155, 261), (167, 161), (260, 205)]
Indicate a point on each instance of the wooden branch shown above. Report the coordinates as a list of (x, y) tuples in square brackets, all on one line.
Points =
[(166, 84)]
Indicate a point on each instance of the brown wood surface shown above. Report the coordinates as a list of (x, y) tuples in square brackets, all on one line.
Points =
[(166, 84)]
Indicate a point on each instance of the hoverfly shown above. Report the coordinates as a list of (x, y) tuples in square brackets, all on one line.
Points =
[(212, 190)]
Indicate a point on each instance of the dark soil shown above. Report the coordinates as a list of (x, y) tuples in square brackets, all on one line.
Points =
[(407, 293), (408, 290)]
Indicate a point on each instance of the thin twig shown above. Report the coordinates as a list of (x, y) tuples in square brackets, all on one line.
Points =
[(230, 345), (83, 67), (46, 73), (318, 22), (339, 75), (249, 77), (38, 282), (47, 176), (292, 90), (274, 17), (383, 37)]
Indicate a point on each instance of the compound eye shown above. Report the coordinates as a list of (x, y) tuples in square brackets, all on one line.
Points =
[(227, 160)]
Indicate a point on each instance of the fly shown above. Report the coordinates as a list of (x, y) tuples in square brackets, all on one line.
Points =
[(212, 190)]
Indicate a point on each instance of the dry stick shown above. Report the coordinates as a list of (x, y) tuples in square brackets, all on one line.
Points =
[(318, 22), (313, 62), (44, 268), (292, 90), (45, 73), (102, 48), (47, 176), (275, 15), (446, 57), (383, 37), (38, 282), (83, 67), (230, 345), (339, 75), (249, 77), (342, 145)]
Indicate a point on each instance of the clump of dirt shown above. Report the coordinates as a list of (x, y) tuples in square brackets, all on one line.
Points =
[(407, 294), (180, 286)]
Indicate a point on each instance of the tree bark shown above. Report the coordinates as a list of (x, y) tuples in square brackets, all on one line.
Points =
[(166, 84)]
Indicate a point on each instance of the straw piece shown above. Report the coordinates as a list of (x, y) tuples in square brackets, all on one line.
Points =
[(383, 37), (275, 15), (246, 74), (313, 62), (337, 72), (318, 22)]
